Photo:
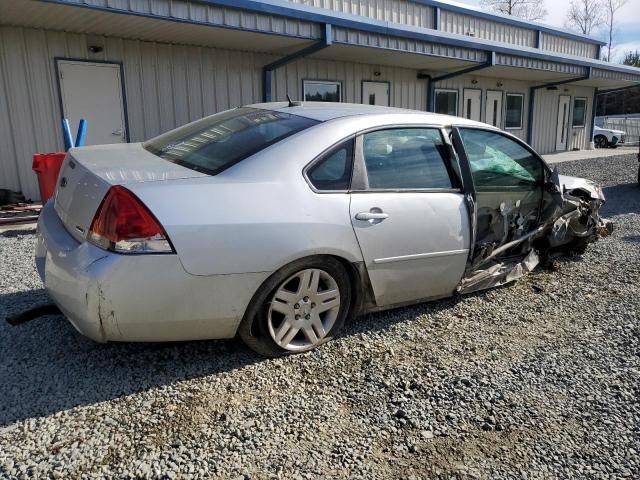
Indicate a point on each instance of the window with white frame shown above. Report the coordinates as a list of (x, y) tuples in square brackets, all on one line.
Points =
[(446, 102), (514, 111), (322, 91), (579, 111)]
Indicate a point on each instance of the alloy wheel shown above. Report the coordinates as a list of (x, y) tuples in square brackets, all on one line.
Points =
[(303, 309)]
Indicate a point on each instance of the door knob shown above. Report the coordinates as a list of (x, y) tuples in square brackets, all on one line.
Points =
[(371, 215)]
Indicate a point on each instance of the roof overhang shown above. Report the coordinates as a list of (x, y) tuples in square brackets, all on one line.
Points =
[(90, 21)]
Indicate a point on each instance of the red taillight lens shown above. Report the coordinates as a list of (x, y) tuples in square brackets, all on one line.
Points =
[(124, 224)]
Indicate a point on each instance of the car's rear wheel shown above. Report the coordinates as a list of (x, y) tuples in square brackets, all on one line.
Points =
[(600, 141), (298, 308)]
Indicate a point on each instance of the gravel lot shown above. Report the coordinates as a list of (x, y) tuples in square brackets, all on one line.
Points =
[(537, 380)]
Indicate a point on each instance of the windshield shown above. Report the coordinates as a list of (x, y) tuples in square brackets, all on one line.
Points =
[(215, 143)]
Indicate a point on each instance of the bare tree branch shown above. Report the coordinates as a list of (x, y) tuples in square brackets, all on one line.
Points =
[(611, 8), (526, 9), (585, 16)]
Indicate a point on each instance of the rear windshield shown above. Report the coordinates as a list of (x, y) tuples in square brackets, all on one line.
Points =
[(214, 143)]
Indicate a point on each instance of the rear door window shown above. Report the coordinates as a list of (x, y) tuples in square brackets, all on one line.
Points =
[(215, 143), (406, 158)]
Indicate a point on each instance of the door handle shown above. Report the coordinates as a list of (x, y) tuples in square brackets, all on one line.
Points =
[(371, 216), (117, 133)]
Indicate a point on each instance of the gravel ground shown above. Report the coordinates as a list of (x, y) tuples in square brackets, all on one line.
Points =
[(537, 380)]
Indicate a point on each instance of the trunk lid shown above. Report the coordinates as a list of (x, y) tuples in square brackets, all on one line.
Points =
[(87, 173)]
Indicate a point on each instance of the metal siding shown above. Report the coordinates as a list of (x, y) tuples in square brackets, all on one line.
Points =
[(454, 22), (546, 118), (185, 10), (534, 64), (370, 39), (166, 86), (406, 91), (618, 76), (395, 11), (486, 83), (568, 46)]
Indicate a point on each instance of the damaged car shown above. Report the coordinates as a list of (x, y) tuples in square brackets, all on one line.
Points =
[(277, 222)]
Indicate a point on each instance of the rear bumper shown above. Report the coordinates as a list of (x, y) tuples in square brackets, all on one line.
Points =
[(113, 297)]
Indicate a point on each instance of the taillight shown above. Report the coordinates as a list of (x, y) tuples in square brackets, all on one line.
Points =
[(124, 224)]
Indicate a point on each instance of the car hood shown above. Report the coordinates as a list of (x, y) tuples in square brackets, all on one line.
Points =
[(609, 130), (576, 183)]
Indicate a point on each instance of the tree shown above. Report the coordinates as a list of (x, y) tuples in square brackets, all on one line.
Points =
[(527, 9), (584, 16), (632, 59), (611, 9)]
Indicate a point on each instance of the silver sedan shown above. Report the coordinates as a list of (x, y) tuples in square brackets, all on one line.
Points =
[(277, 222)]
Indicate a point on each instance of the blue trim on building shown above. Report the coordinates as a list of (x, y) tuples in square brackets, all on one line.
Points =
[(337, 19), (267, 70), (532, 95)]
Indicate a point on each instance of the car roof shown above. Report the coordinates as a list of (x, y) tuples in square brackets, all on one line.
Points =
[(324, 111)]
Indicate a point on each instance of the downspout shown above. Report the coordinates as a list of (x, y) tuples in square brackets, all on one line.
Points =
[(532, 94), (267, 70), (431, 88), (594, 106)]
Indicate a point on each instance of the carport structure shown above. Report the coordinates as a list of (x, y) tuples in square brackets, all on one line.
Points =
[(136, 68)]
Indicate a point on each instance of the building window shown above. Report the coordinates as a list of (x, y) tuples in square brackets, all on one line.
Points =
[(579, 111), (515, 109), (317, 91), (447, 102)]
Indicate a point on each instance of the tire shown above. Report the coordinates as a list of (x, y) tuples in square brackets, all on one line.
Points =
[(600, 141), (265, 320)]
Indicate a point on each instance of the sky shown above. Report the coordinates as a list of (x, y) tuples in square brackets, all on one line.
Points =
[(627, 34)]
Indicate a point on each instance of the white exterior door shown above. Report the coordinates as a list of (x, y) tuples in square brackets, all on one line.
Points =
[(472, 99), (493, 108), (562, 128), (93, 91), (375, 93)]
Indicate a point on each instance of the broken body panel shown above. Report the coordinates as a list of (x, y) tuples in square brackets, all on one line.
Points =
[(513, 231)]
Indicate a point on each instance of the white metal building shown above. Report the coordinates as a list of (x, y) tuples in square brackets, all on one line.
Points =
[(136, 68)]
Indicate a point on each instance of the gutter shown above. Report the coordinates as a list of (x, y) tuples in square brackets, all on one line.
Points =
[(267, 70), (431, 92)]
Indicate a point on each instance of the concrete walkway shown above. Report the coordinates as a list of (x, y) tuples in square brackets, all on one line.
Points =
[(588, 154)]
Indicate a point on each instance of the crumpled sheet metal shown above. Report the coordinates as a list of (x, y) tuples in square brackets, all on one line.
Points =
[(499, 274)]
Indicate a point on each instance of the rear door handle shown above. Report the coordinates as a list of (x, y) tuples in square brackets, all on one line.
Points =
[(371, 216)]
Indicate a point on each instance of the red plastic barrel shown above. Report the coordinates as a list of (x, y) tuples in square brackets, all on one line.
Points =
[(47, 167)]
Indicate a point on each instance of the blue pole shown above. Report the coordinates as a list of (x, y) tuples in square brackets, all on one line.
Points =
[(82, 133), (66, 132)]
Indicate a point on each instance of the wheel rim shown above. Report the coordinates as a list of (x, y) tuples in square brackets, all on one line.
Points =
[(601, 142), (303, 309)]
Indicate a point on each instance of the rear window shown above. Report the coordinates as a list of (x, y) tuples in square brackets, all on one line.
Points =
[(215, 143)]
